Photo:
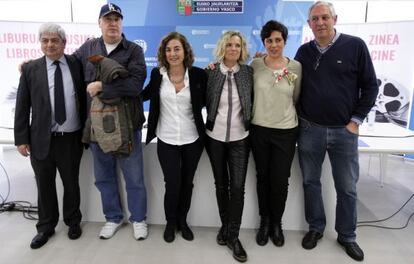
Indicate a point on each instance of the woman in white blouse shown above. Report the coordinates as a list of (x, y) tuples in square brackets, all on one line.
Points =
[(176, 90)]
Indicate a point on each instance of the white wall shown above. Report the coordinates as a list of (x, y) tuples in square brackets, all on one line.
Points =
[(353, 11), (78, 11), (86, 11), (384, 11)]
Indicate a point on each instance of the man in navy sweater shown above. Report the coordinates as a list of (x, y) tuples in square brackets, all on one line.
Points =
[(339, 87)]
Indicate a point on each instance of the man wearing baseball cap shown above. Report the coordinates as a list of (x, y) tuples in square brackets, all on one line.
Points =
[(113, 44), (110, 8)]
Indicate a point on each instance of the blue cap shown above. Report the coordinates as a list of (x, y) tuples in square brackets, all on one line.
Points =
[(110, 8)]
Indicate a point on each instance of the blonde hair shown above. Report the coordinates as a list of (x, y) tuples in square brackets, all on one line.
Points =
[(220, 49)]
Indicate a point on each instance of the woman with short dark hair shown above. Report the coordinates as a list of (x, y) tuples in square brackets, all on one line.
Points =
[(274, 129)]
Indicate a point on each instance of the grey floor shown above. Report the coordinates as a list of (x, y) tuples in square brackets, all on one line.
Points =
[(375, 202)]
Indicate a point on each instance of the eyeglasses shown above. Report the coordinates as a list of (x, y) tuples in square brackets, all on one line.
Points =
[(45, 41), (318, 60)]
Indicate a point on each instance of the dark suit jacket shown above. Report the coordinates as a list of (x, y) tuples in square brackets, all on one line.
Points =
[(33, 94), (198, 82)]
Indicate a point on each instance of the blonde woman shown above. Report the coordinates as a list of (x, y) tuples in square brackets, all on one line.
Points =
[(229, 102)]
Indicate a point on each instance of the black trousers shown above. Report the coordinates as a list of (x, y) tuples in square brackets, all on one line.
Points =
[(229, 163), (178, 163), (273, 151), (65, 154)]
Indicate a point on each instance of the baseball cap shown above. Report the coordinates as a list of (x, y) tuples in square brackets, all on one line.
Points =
[(110, 8)]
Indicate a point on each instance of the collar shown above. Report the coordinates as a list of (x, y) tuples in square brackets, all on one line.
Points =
[(334, 39), (123, 41), (62, 60), (224, 69), (164, 73)]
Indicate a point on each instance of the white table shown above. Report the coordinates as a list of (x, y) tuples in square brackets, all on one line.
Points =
[(204, 206), (385, 139)]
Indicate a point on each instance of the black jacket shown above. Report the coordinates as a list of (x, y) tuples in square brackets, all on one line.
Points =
[(33, 96), (244, 82), (198, 81), (130, 56)]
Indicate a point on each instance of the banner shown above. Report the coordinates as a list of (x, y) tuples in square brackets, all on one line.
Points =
[(20, 42), (145, 23)]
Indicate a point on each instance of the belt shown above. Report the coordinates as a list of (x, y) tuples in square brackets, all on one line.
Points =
[(60, 134)]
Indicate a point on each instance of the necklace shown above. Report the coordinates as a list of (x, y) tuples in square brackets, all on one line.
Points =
[(276, 64), (177, 81)]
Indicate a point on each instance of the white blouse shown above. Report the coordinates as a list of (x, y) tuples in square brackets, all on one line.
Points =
[(176, 125)]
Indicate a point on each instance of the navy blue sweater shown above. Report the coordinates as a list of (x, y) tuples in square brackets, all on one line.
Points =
[(344, 84)]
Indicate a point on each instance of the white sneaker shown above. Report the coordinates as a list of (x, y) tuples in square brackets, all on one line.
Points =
[(140, 230), (109, 229)]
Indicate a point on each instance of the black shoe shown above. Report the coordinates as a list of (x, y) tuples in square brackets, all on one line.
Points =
[(276, 235), (186, 232), (239, 253), (310, 240), (353, 250), (263, 233), (74, 231), (169, 233), (222, 236), (40, 239)]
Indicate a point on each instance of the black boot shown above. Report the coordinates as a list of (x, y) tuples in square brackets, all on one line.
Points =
[(276, 235), (263, 233), (186, 232), (169, 232), (222, 236), (239, 253)]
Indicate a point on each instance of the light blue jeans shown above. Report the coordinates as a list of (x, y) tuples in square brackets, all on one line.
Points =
[(106, 180), (342, 147)]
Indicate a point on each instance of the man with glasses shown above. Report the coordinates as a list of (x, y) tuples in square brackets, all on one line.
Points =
[(50, 113), (339, 87)]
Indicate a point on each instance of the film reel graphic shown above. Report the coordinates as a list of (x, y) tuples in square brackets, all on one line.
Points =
[(393, 102)]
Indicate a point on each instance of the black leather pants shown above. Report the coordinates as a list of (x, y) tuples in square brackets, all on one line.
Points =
[(229, 163)]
